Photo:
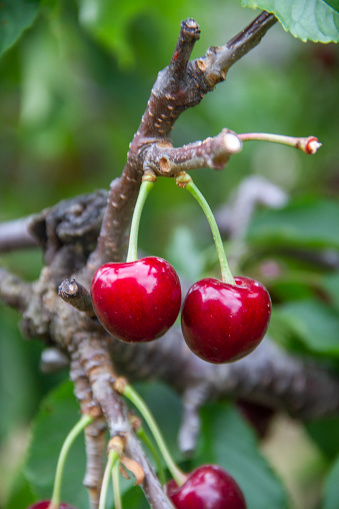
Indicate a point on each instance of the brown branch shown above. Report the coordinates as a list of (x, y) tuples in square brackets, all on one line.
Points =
[(213, 152), (16, 235), (217, 61), (113, 238), (270, 376), (13, 291), (181, 85), (95, 436), (77, 296), (92, 353), (189, 34)]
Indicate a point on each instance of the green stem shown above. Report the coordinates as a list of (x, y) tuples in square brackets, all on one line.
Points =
[(116, 484), (226, 274), (72, 435), (145, 188), (113, 458), (134, 397), (148, 442), (309, 145)]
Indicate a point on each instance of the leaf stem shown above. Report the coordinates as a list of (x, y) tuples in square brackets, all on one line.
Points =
[(146, 186), (136, 399), (185, 181), (72, 435)]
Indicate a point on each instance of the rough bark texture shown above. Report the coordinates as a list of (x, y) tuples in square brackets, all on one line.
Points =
[(79, 235)]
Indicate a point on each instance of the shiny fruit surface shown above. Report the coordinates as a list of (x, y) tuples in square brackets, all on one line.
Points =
[(136, 301), (223, 322), (207, 487)]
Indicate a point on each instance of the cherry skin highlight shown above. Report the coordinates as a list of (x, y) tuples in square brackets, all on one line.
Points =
[(136, 301), (43, 504), (207, 487), (223, 322)]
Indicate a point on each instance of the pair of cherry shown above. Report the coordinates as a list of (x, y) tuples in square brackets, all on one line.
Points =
[(207, 487), (139, 301)]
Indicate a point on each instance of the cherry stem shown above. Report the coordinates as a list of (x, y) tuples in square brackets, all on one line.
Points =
[(146, 186), (112, 459), (309, 145), (72, 435), (116, 482), (184, 180), (153, 450), (136, 399)]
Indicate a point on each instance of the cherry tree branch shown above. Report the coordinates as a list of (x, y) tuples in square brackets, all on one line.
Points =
[(217, 61), (95, 433), (16, 235), (92, 353), (80, 234), (213, 153), (75, 294), (181, 85), (14, 291)]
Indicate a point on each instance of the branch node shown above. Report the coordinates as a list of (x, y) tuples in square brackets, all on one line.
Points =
[(75, 294)]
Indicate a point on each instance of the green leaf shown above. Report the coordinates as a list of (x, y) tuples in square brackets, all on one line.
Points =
[(15, 17), (314, 323), (134, 498), (311, 20), (227, 440), (331, 488), (302, 223), (333, 3), (324, 432), (58, 414), (21, 495), (184, 253), (331, 285)]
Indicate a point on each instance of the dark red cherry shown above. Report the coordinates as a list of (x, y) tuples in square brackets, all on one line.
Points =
[(207, 487), (136, 301), (43, 504), (223, 322)]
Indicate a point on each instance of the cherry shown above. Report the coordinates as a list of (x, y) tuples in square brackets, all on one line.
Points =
[(44, 504), (222, 322), (207, 487), (136, 301)]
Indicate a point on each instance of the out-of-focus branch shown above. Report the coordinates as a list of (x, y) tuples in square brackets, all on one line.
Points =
[(234, 217), (269, 376), (16, 235), (13, 291)]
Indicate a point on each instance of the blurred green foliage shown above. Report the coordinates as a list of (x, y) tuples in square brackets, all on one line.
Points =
[(73, 89)]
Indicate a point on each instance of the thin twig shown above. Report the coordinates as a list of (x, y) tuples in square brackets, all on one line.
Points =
[(75, 294)]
